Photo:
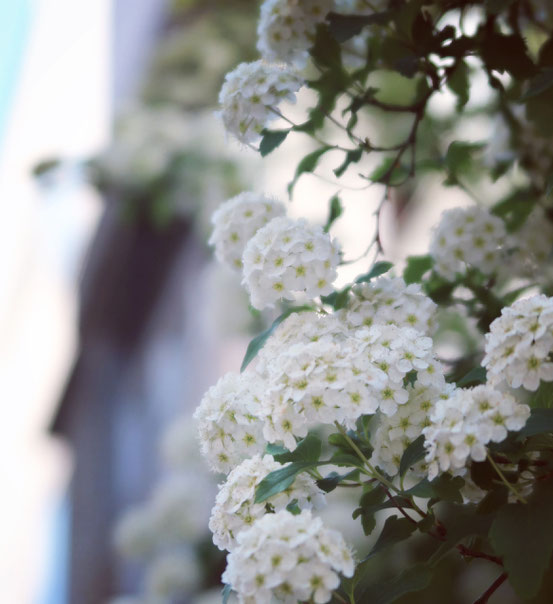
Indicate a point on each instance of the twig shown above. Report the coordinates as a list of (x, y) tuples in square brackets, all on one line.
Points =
[(491, 589), (511, 488)]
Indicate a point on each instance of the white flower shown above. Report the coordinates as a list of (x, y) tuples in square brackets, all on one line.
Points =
[(390, 301), (172, 575), (289, 256), (468, 237), (251, 94), (462, 425), (237, 220), (235, 508), (286, 28), (228, 421), (519, 344), (395, 433), (289, 557), (135, 534)]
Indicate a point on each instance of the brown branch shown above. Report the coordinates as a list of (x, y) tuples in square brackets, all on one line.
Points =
[(491, 589), (465, 551)]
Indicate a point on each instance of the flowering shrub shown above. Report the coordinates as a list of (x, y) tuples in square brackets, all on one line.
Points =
[(349, 389)]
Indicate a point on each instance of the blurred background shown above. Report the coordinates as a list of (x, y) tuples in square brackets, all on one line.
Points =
[(114, 318)]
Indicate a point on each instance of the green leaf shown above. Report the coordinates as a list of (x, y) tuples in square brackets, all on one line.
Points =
[(459, 157), (507, 53), (543, 397), (335, 211), (307, 164), (352, 157), (271, 140), (412, 454), (394, 531), (279, 480), (326, 51), (337, 299), (379, 268), (259, 341), (389, 173), (539, 422), (522, 534), (370, 503), (422, 489), (416, 267), (226, 593), (308, 450), (330, 482), (483, 474), (293, 507), (411, 580), (345, 27), (458, 82), (447, 487), (493, 500), (473, 377), (539, 83), (515, 208)]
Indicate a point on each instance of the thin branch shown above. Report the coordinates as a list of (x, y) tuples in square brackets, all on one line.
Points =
[(491, 589)]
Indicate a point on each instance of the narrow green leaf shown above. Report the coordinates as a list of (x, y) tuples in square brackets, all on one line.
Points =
[(271, 140), (259, 341), (226, 593), (543, 397), (458, 83), (416, 267), (337, 299), (422, 489), (280, 480), (334, 212), (522, 534), (539, 422), (307, 164), (412, 454), (379, 268), (308, 450), (473, 377), (394, 531), (389, 173), (330, 482), (352, 157)]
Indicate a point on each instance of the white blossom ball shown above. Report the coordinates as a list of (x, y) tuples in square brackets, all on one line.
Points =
[(251, 94), (395, 433), (237, 220), (286, 28), (291, 558), (286, 257), (172, 574), (235, 509), (135, 534), (519, 344), (468, 238), (390, 301), (228, 418), (463, 424)]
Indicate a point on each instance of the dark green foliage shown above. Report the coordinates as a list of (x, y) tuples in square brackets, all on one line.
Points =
[(416, 267), (412, 454), (335, 211), (271, 140)]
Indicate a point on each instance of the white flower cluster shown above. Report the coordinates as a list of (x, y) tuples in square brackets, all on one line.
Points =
[(395, 433), (229, 423), (251, 94), (520, 342), (389, 301), (290, 558), (286, 28), (468, 237), (329, 373), (288, 256), (463, 424), (235, 509), (237, 220)]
